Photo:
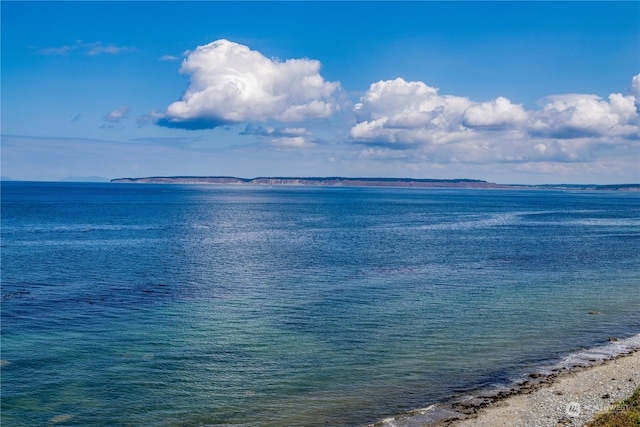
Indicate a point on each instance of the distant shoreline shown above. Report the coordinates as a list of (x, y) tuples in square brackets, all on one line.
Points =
[(365, 182)]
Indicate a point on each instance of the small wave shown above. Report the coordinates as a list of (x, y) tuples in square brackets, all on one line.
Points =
[(598, 354), (494, 220), (606, 222), (76, 228)]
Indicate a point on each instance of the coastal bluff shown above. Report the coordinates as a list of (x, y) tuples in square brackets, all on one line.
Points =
[(365, 182), (315, 181)]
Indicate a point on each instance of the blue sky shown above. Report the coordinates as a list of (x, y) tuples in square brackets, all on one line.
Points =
[(510, 92)]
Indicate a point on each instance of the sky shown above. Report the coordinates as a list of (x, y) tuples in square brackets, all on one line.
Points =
[(508, 92)]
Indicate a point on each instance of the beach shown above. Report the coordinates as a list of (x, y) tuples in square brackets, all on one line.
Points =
[(570, 398)]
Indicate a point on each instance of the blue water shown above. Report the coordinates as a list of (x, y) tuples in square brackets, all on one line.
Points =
[(170, 305)]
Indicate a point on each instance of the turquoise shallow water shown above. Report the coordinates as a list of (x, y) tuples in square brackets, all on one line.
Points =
[(169, 305)]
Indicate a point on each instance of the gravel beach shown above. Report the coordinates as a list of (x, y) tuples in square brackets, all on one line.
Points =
[(569, 399)]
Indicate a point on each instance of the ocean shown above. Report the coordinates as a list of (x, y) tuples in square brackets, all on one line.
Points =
[(213, 305)]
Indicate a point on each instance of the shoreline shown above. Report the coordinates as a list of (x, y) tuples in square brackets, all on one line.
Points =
[(338, 181), (570, 392), (568, 398)]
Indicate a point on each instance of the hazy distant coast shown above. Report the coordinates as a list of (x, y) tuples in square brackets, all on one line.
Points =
[(363, 182), (313, 181)]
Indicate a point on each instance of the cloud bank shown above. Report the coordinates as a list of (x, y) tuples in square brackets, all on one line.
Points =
[(401, 115), (399, 120), (230, 83)]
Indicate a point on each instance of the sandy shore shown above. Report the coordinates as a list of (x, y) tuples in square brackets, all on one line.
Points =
[(568, 399)]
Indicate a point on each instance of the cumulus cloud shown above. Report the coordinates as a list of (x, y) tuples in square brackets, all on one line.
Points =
[(499, 113), (411, 116), (580, 116), (230, 83), (401, 114), (409, 121)]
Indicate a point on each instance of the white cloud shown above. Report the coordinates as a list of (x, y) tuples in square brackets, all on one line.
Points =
[(401, 113), (413, 117), (292, 142), (169, 58), (284, 137), (231, 83), (580, 116), (497, 113), (61, 50), (252, 129), (111, 49), (116, 115), (382, 153), (91, 49)]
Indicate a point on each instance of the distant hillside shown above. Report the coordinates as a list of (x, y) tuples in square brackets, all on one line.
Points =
[(365, 182), (315, 181), (616, 187), (85, 179)]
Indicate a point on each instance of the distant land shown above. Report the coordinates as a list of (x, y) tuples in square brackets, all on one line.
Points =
[(85, 179), (365, 182)]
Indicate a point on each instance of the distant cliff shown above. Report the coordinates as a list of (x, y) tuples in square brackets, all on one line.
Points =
[(365, 182), (315, 181)]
